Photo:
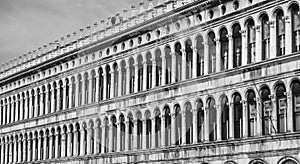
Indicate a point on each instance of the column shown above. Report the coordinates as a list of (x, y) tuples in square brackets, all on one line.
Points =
[(50, 146), (164, 68), (153, 124), (163, 131), (173, 130), (63, 144), (231, 120), (127, 79), (46, 150), (153, 72), (289, 111), (97, 88), (17, 110), (145, 76), (34, 148), (82, 145), (47, 102), (244, 47), (29, 150), (183, 126), (89, 141), (39, 148), (64, 105), (58, 98), (96, 139), (76, 83), (258, 117), (219, 124), (218, 55), (2, 153), (195, 126), (15, 154), (274, 114), (5, 113), (206, 58), (20, 108), (135, 136), (195, 54), (104, 86), (36, 102), (6, 152), (273, 38), (120, 81), (90, 88), (103, 139), (245, 118), (206, 123), (70, 94), (136, 77), (69, 144), (144, 141), (56, 147), (24, 150), (75, 143), (126, 135), (83, 91), (10, 151), (183, 61), (230, 51), (12, 108), (52, 100), (288, 36), (118, 137), (42, 103), (112, 84), (258, 46), (19, 151), (30, 114), (173, 72)]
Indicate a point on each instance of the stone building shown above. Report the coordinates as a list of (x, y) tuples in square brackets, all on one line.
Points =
[(181, 81)]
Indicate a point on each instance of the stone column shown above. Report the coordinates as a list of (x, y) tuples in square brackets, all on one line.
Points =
[(245, 118), (89, 141), (258, 117), (75, 143), (163, 131), (30, 114), (96, 140), (153, 72), (244, 47), (206, 123), (64, 105), (50, 146), (104, 86), (219, 123), (70, 94), (90, 89), (69, 144), (183, 61), (195, 126), (24, 150), (28, 150), (153, 124), (17, 110), (2, 153), (258, 46), (126, 135), (26, 110), (206, 58), (144, 141), (173, 130), (164, 69), (97, 88), (120, 81), (82, 143), (127, 80), (218, 55), (111, 138), (136, 77), (39, 148), (58, 98), (183, 128), (5, 113), (56, 147), (145, 76), (173, 72), (10, 152), (231, 120), (63, 144), (83, 91), (76, 93), (230, 51), (135, 136), (47, 102), (19, 151), (195, 54), (16, 152), (103, 139), (273, 39), (112, 84), (42, 103), (288, 36), (52, 100), (36, 102), (274, 114), (46, 150), (34, 150), (118, 137), (289, 111)]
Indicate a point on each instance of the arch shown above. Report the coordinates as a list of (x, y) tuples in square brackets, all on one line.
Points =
[(200, 54), (288, 160), (238, 115), (178, 53), (211, 107), (257, 161), (168, 57), (224, 117), (267, 125)]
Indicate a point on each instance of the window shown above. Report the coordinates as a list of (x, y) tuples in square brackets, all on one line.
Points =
[(212, 119), (265, 37), (266, 111), (225, 118), (251, 41), (296, 105), (281, 108), (224, 48), (212, 52), (251, 105), (296, 28), (238, 116), (280, 33), (237, 45)]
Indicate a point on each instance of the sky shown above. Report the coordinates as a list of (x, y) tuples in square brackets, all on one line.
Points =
[(26, 25)]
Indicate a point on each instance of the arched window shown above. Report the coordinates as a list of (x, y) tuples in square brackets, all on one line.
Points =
[(157, 128), (238, 115), (139, 130), (122, 134), (189, 59), (124, 74), (212, 119), (178, 54), (280, 33), (237, 45), (212, 52), (289, 161), (93, 77), (267, 124), (101, 83), (224, 48), (281, 108), (149, 71), (178, 125), (251, 106), (188, 123), (73, 94), (158, 67), (130, 130), (105, 130), (224, 118), (168, 68), (132, 75), (200, 121), (140, 72), (79, 78), (67, 94), (295, 15), (114, 133), (60, 96), (167, 126), (296, 105), (265, 37), (116, 80), (200, 55), (108, 82), (251, 41), (148, 129)]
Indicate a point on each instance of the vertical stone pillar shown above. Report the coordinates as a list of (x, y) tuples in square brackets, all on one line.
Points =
[(118, 137), (103, 139), (258, 117), (164, 69), (183, 128), (97, 88), (28, 150), (274, 114), (46, 150), (120, 81), (195, 126), (173, 72), (126, 135), (34, 150), (89, 141), (50, 146), (56, 147), (46, 101), (76, 92), (127, 79), (230, 51), (195, 54), (145, 75), (19, 160), (16, 153), (39, 148), (52, 100), (183, 61), (219, 123), (24, 150), (244, 47), (58, 98), (26, 110), (231, 120), (245, 118), (69, 144), (5, 113), (163, 131), (218, 55), (144, 141), (1, 154), (70, 94), (42, 109), (10, 160), (63, 144), (75, 143), (273, 39), (136, 78), (36, 102), (112, 84), (64, 105), (288, 36), (83, 91), (289, 96), (82, 142), (17, 113), (153, 133), (105, 86), (173, 130), (206, 58), (135, 136), (206, 123), (30, 114), (258, 48), (90, 89), (153, 72), (96, 139)]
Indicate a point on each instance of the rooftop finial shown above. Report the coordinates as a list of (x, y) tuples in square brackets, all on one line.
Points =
[(142, 7), (150, 6), (133, 10)]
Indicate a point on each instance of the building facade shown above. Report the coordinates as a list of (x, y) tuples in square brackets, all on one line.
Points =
[(183, 81)]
